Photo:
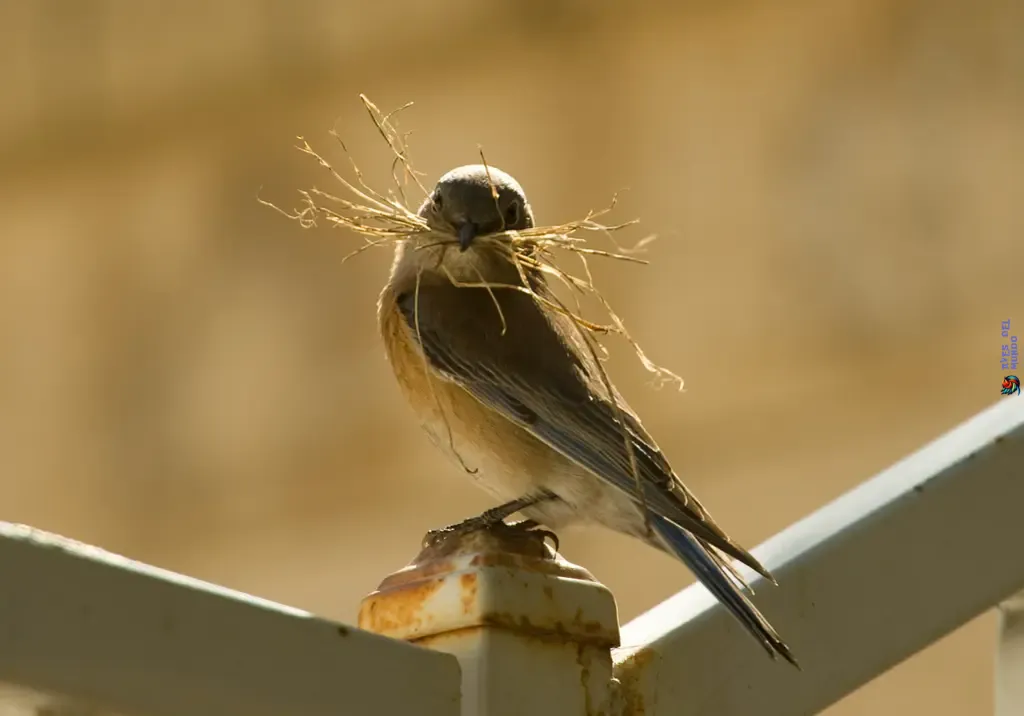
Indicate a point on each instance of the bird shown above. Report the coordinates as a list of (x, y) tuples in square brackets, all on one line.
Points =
[(508, 389)]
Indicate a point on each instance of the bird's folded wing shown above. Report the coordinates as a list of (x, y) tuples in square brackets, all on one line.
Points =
[(518, 363)]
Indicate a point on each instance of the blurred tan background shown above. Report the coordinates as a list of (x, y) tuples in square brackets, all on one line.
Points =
[(192, 380)]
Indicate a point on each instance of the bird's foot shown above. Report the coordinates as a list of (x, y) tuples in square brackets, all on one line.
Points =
[(494, 519), (535, 528), (486, 522), (473, 524)]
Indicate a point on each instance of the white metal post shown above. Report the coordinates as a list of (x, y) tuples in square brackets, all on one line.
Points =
[(532, 632), (1010, 658)]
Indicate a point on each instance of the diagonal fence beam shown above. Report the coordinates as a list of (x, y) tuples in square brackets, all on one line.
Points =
[(867, 581)]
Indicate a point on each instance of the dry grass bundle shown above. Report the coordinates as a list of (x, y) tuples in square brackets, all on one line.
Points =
[(382, 219)]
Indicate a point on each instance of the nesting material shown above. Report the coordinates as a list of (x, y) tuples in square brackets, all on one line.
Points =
[(385, 218)]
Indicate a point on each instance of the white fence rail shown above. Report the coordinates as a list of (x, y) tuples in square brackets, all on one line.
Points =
[(868, 580), (87, 624)]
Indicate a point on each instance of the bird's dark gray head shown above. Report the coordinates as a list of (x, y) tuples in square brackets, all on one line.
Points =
[(464, 204)]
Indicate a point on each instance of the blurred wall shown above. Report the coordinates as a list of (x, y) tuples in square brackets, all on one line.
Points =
[(190, 379)]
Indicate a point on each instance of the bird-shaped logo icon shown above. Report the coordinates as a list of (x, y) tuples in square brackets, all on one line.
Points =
[(1011, 385)]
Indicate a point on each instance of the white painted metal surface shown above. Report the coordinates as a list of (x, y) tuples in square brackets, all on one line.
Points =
[(865, 582), (78, 621), (532, 632), (21, 701), (1010, 658)]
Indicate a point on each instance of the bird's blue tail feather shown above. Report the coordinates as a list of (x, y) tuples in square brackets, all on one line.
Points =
[(699, 559)]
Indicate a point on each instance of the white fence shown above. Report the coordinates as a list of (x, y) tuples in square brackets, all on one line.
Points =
[(868, 580)]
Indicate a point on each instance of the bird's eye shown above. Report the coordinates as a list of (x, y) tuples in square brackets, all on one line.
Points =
[(437, 201), (512, 214)]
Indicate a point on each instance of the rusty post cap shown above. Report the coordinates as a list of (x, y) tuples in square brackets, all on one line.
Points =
[(503, 577)]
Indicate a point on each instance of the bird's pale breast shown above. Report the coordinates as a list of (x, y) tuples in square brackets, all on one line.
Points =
[(504, 459)]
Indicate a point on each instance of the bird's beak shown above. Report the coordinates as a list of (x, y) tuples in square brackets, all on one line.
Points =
[(467, 232)]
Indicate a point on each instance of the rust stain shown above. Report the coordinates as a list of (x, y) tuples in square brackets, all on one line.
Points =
[(591, 626), (533, 565), (643, 657), (584, 663), (632, 702), (552, 631), (399, 609), (434, 641), (468, 587), (630, 687), (416, 572)]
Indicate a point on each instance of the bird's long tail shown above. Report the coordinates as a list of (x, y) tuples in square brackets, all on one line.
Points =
[(718, 577)]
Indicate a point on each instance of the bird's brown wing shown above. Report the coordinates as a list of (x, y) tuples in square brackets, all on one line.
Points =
[(521, 363)]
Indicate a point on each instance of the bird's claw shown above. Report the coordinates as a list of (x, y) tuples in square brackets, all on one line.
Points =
[(483, 523), (534, 527)]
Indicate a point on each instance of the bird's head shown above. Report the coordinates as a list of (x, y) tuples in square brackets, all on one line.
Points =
[(464, 204)]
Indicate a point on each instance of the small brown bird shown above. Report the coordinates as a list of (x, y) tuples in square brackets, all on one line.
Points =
[(508, 389)]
